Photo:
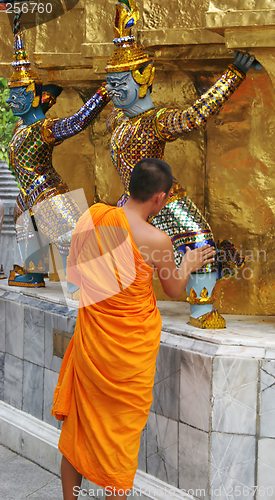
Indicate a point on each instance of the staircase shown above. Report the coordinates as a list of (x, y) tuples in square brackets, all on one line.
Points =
[(8, 194), (9, 249)]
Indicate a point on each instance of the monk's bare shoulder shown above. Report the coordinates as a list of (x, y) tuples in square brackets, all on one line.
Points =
[(156, 237), (146, 235)]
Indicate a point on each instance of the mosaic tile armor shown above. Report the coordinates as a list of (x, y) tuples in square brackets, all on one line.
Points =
[(30, 155), (145, 136)]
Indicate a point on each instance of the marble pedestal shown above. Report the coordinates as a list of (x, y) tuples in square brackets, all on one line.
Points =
[(211, 430)]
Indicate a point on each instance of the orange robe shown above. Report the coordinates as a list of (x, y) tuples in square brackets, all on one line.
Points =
[(104, 391)]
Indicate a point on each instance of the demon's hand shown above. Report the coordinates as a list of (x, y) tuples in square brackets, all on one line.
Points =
[(245, 61)]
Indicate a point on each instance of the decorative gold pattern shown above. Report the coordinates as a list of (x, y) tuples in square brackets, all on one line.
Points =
[(126, 12), (31, 284), (30, 157), (127, 55), (209, 321), (48, 98), (145, 136), (74, 295), (56, 216), (39, 266), (202, 299), (240, 142), (46, 132), (23, 75), (144, 79), (19, 269), (31, 267), (24, 78)]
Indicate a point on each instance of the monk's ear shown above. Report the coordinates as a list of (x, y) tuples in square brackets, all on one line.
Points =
[(158, 198), (161, 197)]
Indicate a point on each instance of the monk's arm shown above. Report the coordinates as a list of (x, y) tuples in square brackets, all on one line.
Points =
[(174, 280), (57, 130)]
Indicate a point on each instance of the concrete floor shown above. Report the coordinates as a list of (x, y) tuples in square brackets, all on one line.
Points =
[(21, 479)]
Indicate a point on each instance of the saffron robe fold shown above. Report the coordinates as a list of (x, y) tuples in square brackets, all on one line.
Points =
[(104, 390)]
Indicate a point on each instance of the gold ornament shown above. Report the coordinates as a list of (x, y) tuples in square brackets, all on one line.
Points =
[(202, 299), (144, 79), (48, 98), (31, 283), (40, 266), (127, 55), (209, 321), (31, 267), (36, 99), (74, 295), (127, 16), (23, 76), (19, 269)]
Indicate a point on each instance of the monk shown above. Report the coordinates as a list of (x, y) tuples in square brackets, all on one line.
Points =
[(104, 391)]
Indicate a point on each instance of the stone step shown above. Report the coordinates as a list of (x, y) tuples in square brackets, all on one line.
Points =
[(4, 180), (8, 221), (7, 232), (8, 185), (8, 229), (8, 218), (7, 198), (11, 195), (6, 174), (7, 194), (8, 181), (7, 188)]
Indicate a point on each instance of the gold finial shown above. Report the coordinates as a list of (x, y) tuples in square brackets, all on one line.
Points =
[(22, 75), (127, 16), (127, 55)]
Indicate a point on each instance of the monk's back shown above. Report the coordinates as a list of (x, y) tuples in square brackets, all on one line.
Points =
[(110, 361)]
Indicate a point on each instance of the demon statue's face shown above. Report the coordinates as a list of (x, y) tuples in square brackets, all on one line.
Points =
[(20, 101), (122, 89)]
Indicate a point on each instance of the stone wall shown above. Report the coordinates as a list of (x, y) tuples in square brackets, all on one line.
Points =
[(29, 370), (211, 425)]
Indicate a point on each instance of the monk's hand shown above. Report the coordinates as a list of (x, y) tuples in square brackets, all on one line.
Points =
[(199, 257), (245, 61)]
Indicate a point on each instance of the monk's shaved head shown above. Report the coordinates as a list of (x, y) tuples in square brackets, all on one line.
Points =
[(150, 176)]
